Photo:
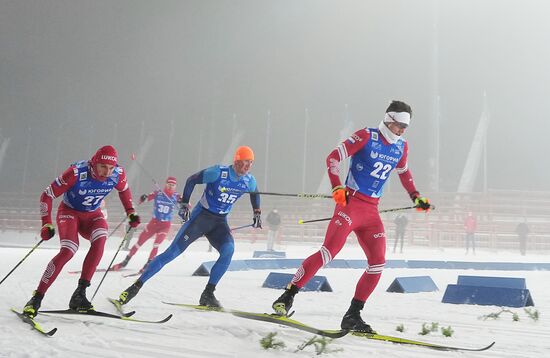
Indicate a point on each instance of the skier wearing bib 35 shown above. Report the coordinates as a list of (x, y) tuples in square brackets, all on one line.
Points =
[(224, 186)]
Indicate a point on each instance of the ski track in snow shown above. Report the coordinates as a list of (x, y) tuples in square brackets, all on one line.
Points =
[(212, 334)]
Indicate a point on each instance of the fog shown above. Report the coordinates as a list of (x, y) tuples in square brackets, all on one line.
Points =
[(285, 77)]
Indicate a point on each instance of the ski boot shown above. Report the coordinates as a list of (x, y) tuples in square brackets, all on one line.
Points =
[(207, 297), (31, 308), (130, 292), (282, 305), (78, 301), (352, 320), (121, 265)]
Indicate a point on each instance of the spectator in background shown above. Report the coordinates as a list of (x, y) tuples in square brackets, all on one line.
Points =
[(401, 222), (274, 222), (522, 230), (470, 226)]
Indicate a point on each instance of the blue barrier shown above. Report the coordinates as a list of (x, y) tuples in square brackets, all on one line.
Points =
[(280, 281), (269, 254), (488, 281), (488, 296), (261, 264), (237, 265), (412, 284)]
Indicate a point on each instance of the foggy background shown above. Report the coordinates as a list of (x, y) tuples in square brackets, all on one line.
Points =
[(281, 76)]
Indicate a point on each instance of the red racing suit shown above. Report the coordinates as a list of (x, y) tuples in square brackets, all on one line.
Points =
[(360, 215)]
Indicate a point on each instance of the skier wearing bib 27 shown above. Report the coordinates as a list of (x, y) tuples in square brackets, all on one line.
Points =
[(224, 186), (163, 209), (83, 185), (374, 153)]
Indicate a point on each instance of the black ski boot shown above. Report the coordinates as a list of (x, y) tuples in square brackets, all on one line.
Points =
[(31, 308), (282, 305), (78, 301), (130, 292), (352, 320), (121, 265), (208, 298)]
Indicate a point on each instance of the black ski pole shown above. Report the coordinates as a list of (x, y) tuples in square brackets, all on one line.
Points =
[(128, 233), (23, 259), (432, 207), (296, 195)]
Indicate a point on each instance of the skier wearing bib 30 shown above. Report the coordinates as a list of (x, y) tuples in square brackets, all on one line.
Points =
[(164, 203)]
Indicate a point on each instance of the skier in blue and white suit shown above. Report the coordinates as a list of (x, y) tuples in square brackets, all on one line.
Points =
[(224, 186)]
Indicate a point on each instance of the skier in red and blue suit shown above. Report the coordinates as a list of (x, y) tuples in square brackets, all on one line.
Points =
[(374, 153), (164, 202), (83, 185)]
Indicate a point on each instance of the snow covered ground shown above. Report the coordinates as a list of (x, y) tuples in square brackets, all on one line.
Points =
[(210, 334)]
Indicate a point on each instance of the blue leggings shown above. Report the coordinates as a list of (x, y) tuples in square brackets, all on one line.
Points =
[(202, 222)]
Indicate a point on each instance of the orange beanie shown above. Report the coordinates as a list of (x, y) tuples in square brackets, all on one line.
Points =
[(243, 153)]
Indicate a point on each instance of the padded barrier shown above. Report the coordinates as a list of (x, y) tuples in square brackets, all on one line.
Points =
[(412, 284), (238, 265), (488, 296), (280, 281), (488, 290), (269, 254)]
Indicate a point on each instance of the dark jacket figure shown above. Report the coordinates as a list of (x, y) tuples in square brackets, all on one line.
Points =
[(274, 222), (401, 222), (522, 230), (470, 226)]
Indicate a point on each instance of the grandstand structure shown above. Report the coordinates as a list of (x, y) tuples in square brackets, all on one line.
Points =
[(498, 214)]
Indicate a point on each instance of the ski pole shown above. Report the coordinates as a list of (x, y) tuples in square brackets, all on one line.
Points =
[(240, 227), (297, 195), (23, 259), (128, 233), (133, 157), (432, 207)]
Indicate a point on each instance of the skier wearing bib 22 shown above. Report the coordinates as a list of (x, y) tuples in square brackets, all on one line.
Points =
[(224, 185), (374, 153)]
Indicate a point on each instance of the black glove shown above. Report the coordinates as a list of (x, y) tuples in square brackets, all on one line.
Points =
[(133, 220), (142, 198), (422, 203), (47, 232), (184, 211), (257, 220)]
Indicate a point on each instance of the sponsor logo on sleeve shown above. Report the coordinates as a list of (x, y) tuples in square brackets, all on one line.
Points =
[(83, 176)]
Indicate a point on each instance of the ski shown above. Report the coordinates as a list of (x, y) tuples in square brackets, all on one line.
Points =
[(101, 270), (125, 317), (285, 321), (435, 346), (30, 321), (132, 274), (118, 307)]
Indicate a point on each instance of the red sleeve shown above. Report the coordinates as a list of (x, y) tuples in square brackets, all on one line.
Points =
[(59, 186), (405, 174), (124, 192), (152, 195), (346, 149)]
